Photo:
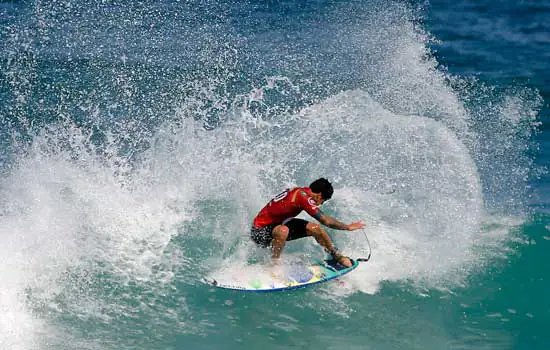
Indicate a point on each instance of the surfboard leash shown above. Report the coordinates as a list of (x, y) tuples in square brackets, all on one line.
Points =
[(370, 249)]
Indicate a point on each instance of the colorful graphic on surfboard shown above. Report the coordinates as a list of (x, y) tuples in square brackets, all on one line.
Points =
[(294, 277)]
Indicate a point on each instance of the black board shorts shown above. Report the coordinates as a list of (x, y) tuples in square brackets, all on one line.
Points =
[(264, 235)]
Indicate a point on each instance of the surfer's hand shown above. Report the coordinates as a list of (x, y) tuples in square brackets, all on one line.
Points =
[(356, 226)]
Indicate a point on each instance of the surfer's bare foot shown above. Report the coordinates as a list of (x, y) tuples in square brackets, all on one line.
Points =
[(344, 260), (276, 269)]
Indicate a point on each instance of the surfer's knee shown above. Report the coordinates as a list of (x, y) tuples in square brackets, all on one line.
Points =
[(313, 229), (280, 232)]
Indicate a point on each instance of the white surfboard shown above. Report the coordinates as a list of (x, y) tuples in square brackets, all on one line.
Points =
[(292, 277)]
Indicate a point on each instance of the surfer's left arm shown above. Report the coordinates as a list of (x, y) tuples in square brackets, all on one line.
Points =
[(337, 225), (312, 208)]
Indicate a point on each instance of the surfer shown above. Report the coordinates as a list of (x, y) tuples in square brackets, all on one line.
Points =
[(276, 223)]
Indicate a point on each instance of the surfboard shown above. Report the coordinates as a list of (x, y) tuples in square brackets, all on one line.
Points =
[(292, 277)]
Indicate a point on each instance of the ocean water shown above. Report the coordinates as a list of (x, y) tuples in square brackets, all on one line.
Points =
[(138, 139)]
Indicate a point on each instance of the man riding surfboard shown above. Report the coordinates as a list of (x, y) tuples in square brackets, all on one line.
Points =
[(276, 223)]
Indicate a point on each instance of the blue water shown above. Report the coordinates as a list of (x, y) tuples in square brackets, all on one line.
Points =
[(139, 139)]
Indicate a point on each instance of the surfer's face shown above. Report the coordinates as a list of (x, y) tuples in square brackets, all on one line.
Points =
[(318, 198)]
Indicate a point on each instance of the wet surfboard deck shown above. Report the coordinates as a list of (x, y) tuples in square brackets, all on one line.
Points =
[(291, 277)]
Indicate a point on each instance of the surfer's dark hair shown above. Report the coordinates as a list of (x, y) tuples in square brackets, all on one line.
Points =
[(323, 187)]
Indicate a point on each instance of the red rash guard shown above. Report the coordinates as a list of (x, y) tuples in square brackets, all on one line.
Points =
[(287, 205)]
